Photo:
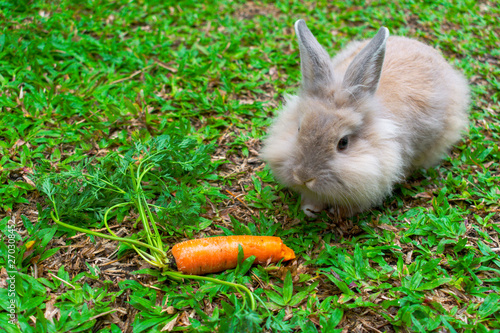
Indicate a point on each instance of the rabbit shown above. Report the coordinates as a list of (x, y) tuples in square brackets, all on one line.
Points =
[(364, 120)]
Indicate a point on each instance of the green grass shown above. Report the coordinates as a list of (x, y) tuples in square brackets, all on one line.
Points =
[(85, 82)]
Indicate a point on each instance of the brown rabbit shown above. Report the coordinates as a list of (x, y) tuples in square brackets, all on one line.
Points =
[(364, 120)]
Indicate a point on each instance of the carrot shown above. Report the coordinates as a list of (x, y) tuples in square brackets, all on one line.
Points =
[(216, 254)]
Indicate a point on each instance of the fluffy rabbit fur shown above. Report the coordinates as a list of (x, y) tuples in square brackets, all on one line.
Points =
[(364, 120)]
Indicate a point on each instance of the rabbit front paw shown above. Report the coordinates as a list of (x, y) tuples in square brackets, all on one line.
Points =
[(310, 207)]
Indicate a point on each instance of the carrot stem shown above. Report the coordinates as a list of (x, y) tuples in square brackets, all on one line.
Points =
[(99, 234), (112, 187), (156, 236), (144, 210), (105, 220), (239, 287)]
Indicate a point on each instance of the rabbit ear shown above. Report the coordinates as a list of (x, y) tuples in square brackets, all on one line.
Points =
[(316, 67), (363, 74)]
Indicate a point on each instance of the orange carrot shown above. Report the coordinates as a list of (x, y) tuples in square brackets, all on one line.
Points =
[(216, 254)]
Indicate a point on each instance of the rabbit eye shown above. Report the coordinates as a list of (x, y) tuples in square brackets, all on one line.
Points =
[(343, 143)]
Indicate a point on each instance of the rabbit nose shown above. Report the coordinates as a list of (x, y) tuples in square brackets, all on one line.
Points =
[(303, 180), (310, 183)]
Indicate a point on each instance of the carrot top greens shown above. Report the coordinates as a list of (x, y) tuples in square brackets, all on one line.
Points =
[(156, 176), (119, 185)]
